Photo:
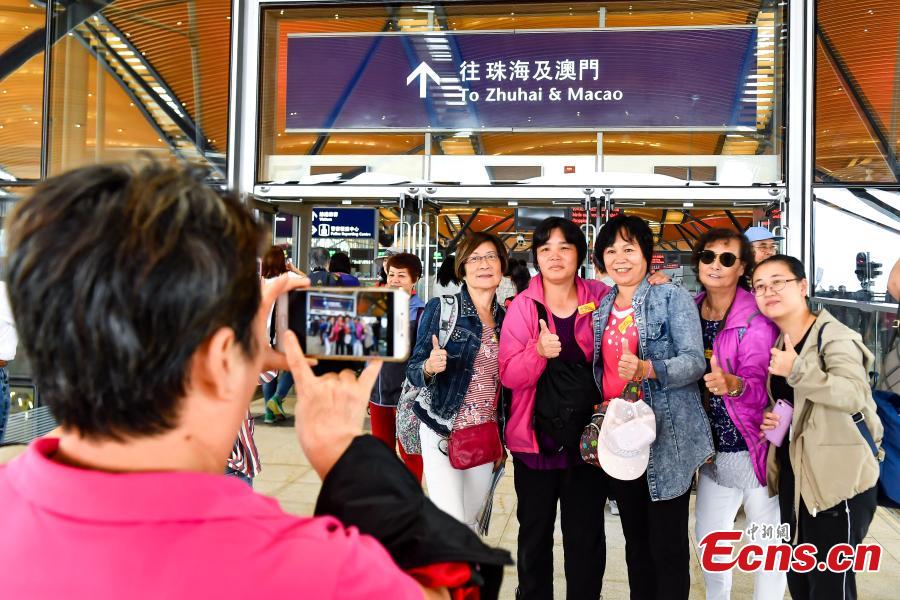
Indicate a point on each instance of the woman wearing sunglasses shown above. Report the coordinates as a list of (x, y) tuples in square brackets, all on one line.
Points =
[(737, 340), (651, 334), (463, 378), (824, 469)]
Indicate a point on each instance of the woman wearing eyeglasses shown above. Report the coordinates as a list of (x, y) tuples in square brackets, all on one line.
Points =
[(825, 469), (737, 340), (463, 380)]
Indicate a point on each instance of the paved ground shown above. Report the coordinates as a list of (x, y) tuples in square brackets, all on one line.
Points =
[(288, 477)]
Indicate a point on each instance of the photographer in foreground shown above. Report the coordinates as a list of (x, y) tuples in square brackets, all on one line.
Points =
[(138, 305)]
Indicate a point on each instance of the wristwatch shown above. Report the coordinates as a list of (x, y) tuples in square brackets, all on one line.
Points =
[(738, 390)]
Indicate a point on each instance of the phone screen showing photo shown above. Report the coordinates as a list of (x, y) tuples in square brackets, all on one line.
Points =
[(355, 323)]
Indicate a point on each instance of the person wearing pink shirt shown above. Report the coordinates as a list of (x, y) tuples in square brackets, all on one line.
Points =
[(138, 304)]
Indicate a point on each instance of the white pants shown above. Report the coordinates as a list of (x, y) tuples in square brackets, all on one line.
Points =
[(459, 493), (716, 509)]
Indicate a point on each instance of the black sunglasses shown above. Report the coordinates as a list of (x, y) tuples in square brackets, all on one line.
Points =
[(727, 259)]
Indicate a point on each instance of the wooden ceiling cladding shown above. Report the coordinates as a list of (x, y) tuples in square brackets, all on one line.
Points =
[(161, 31), (864, 34)]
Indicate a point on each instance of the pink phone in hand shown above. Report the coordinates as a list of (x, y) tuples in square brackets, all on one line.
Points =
[(785, 411)]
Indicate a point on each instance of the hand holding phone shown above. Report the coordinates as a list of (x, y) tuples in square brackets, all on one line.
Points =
[(347, 323), (781, 415)]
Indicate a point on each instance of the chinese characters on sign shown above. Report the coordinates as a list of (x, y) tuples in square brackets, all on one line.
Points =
[(557, 79), (349, 223)]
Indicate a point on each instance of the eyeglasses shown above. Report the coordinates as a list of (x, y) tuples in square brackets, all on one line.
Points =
[(776, 286), (726, 259), (489, 257), (763, 246)]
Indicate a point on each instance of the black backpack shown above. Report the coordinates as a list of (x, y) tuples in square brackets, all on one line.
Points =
[(565, 397)]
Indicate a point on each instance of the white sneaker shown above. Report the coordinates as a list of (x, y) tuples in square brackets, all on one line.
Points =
[(613, 507)]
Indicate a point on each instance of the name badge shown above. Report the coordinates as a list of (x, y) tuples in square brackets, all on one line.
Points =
[(587, 308)]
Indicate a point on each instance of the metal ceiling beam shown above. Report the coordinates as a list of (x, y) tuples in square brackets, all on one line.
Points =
[(875, 204), (735, 222), (854, 215), (498, 223), (464, 228)]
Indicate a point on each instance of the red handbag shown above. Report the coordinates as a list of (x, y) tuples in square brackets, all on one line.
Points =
[(474, 446)]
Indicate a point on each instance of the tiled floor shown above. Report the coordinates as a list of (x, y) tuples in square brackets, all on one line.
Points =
[(288, 477)]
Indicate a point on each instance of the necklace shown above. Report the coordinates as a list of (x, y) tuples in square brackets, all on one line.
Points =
[(710, 315)]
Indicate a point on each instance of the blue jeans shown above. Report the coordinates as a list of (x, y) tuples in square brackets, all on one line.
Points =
[(280, 386), (4, 400), (237, 474)]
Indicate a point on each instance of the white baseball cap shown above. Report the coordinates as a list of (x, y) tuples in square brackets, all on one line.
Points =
[(623, 448)]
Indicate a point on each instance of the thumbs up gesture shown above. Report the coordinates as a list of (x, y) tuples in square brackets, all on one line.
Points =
[(783, 360), (548, 344), (718, 382), (437, 360), (629, 363)]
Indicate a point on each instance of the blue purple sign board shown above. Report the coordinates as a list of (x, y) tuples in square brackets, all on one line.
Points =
[(639, 79), (344, 223)]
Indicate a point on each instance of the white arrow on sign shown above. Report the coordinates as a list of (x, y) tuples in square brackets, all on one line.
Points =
[(423, 71)]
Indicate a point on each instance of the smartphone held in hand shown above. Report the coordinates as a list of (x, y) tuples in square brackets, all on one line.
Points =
[(346, 323), (785, 412)]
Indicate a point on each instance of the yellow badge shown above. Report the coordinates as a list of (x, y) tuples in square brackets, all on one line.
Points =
[(709, 354), (625, 324), (587, 308)]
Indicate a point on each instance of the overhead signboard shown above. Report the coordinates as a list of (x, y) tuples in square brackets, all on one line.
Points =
[(343, 223), (638, 79)]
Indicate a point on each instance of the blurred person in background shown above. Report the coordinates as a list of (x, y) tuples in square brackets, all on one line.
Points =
[(763, 242), (445, 281), (275, 390), (403, 271), (8, 342)]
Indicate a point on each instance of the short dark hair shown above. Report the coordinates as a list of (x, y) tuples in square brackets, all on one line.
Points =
[(465, 250), (340, 263), (720, 234), (793, 264), (117, 275), (446, 273), (570, 231), (273, 263), (631, 228), (519, 274), (407, 261)]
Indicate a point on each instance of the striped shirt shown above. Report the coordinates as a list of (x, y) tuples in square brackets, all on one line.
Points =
[(480, 404), (244, 456)]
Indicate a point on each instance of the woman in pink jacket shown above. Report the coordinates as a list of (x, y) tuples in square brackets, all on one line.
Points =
[(546, 349), (737, 340)]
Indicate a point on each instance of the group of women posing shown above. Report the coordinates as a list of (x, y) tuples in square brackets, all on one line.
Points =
[(709, 367)]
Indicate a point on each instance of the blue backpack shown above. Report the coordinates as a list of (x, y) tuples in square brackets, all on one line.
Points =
[(888, 409)]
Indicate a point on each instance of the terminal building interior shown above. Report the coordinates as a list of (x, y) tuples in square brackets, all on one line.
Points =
[(378, 127)]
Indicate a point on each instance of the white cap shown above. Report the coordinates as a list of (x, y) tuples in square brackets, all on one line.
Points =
[(623, 448)]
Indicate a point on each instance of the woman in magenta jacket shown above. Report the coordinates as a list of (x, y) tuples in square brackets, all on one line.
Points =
[(737, 340)]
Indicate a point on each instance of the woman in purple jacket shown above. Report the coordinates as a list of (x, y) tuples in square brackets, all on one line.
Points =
[(737, 340)]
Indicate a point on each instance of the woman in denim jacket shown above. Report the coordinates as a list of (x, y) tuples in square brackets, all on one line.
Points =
[(463, 376), (659, 343)]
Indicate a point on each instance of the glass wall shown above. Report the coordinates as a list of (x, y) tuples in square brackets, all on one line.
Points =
[(857, 118), (125, 77), (22, 42), (551, 93)]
